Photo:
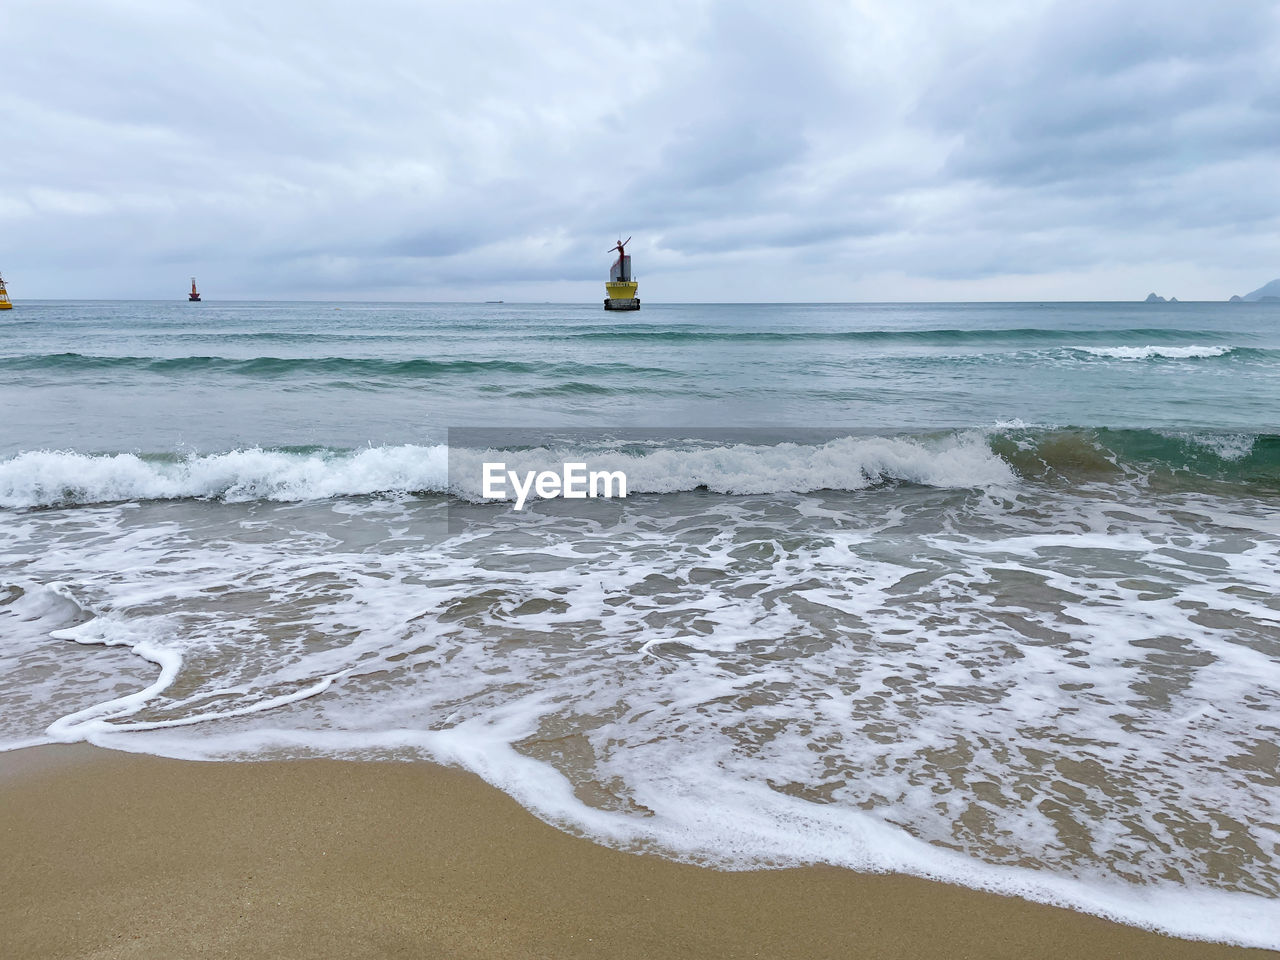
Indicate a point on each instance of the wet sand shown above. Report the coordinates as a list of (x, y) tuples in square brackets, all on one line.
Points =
[(112, 855)]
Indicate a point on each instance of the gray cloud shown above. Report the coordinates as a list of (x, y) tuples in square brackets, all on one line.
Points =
[(817, 151)]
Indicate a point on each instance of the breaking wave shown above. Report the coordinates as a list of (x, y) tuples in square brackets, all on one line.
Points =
[(1150, 352), (961, 459), (63, 477)]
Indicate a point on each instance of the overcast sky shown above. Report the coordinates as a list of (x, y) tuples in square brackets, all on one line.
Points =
[(756, 151)]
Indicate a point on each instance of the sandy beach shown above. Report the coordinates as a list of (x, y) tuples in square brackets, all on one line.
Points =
[(114, 855)]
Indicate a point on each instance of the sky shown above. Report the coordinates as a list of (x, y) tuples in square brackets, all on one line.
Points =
[(755, 151)]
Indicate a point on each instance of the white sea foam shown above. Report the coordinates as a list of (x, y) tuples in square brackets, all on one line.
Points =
[(1057, 696), (46, 478), (850, 463), (1161, 352), (39, 681), (1227, 446)]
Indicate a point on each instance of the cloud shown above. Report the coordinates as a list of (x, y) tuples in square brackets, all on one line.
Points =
[(816, 151), (1113, 90)]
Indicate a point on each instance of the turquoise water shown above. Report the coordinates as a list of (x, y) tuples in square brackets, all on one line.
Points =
[(158, 377), (981, 592)]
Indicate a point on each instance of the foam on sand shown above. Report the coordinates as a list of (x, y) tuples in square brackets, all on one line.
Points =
[(1063, 697)]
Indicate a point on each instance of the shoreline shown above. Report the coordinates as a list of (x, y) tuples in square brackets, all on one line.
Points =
[(107, 854)]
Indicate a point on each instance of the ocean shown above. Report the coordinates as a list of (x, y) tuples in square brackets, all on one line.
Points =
[(986, 593)]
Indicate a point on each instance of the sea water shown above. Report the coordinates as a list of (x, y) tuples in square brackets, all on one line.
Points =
[(980, 592)]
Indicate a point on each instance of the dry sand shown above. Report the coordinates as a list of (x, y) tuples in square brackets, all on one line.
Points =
[(112, 855)]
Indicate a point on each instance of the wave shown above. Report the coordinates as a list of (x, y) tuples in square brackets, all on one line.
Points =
[(1157, 352), (941, 336), (571, 388), (568, 377), (973, 459), (63, 478), (1185, 459), (45, 478), (270, 367)]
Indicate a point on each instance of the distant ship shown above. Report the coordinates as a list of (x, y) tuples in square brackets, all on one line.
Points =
[(620, 287), (195, 295), (4, 297)]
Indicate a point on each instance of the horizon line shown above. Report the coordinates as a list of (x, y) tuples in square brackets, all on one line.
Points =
[(571, 303)]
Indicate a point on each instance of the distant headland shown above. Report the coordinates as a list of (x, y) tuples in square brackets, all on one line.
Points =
[(1269, 291)]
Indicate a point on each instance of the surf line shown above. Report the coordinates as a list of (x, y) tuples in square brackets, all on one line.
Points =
[(573, 482)]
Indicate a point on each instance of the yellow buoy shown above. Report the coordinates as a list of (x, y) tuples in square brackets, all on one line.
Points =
[(619, 289), (621, 286), (4, 297)]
